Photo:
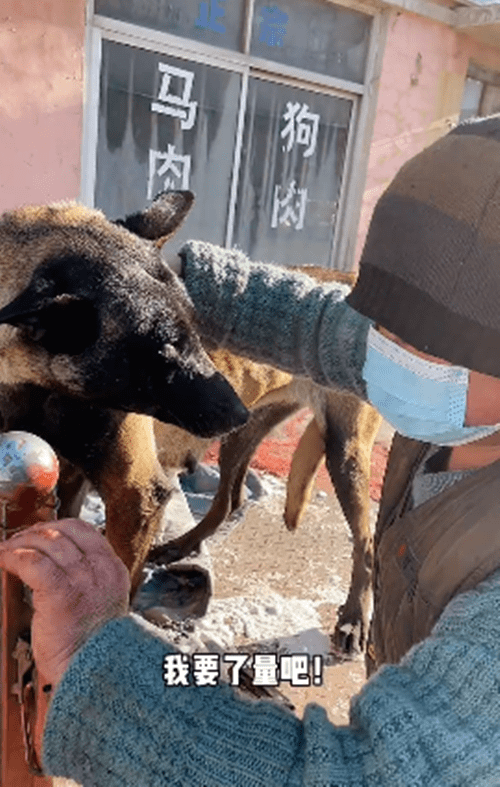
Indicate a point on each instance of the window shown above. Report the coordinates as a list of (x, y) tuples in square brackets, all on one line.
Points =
[(165, 123), (253, 106), (481, 94)]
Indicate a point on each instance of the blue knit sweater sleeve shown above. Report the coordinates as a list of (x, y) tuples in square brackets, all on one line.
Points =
[(276, 316), (434, 720)]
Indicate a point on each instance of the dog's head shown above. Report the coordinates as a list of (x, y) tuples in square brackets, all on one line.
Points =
[(89, 309)]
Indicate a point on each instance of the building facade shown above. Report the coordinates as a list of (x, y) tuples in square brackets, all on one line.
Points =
[(287, 120)]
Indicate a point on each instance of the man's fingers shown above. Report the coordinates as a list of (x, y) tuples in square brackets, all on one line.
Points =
[(76, 527), (36, 569), (54, 536), (73, 547), (53, 543), (78, 585), (83, 535)]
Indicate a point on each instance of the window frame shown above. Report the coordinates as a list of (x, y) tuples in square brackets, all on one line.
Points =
[(363, 96), (487, 79)]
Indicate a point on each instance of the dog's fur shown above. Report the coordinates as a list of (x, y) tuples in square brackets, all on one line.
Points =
[(96, 336), (343, 429)]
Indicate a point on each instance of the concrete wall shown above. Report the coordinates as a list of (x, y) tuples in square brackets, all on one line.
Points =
[(41, 100), (421, 85)]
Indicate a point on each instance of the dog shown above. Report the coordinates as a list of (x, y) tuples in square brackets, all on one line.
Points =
[(97, 337), (342, 430)]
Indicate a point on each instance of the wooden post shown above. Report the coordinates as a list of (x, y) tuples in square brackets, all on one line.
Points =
[(28, 474)]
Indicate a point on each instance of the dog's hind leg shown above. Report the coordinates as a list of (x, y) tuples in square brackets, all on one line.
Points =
[(348, 457), (305, 464), (236, 451)]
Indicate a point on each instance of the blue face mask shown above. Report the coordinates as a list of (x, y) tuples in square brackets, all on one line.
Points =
[(423, 400)]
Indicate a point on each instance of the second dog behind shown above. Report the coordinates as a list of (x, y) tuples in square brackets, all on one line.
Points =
[(342, 430)]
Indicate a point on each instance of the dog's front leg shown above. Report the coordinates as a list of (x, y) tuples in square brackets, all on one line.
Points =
[(136, 492), (134, 489), (116, 451)]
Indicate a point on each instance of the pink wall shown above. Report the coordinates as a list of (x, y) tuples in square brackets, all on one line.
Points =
[(419, 97), (41, 100)]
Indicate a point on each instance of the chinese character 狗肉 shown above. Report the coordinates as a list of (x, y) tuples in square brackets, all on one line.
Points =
[(301, 127), (294, 205)]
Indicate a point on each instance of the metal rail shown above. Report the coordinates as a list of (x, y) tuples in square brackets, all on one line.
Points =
[(28, 474)]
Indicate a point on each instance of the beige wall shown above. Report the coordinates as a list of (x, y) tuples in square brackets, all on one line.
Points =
[(420, 93), (41, 100)]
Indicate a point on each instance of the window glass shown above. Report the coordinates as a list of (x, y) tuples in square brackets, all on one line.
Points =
[(165, 123), (291, 171), (471, 98), (490, 102), (313, 35), (217, 22)]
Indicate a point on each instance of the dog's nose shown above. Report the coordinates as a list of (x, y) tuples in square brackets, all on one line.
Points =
[(206, 406), (239, 414), (209, 406)]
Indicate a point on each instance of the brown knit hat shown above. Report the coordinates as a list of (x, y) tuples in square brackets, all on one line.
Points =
[(430, 269)]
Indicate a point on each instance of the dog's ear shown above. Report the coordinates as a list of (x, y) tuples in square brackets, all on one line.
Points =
[(65, 324), (163, 218)]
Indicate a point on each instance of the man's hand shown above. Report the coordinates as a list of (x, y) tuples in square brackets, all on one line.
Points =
[(78, 585)]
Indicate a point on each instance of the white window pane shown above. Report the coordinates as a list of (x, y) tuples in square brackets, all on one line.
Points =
[(165, 123), (217, 22), (471, 98), (313, 35), (291, 173)]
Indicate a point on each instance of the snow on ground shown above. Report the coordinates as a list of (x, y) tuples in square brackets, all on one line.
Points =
[(271, 622)]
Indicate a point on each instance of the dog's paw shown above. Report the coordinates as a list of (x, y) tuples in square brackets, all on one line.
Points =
[(172, 551), (348, 638)]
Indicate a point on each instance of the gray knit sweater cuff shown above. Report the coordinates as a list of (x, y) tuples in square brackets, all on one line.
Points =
[(276, 316)]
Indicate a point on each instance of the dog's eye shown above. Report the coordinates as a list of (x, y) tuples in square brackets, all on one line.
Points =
[(67, 328)]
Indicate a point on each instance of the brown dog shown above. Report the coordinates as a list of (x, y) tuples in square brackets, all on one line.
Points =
[(96, 336), (99, 322), (343, 430)]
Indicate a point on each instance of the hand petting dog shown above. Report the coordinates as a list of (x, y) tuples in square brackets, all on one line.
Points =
[(78, 585)]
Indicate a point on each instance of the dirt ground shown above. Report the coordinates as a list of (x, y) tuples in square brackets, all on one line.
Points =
[(262, 558), (307, 570)]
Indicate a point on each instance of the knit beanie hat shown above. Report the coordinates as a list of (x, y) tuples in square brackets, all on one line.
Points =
[(430, 268)]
